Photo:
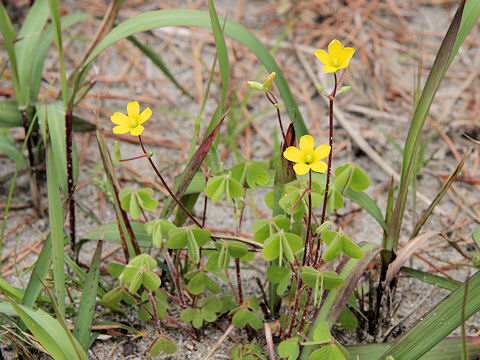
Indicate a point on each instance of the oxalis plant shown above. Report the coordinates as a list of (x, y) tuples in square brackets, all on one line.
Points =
[(173, 261)]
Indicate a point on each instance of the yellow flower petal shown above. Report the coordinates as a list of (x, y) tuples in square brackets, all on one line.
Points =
[(144, 116), (121, 129), (329, 69), (119, 118), (133, 109), (335, 48), (137, 131), (346, 55), (323, 56), (301, 168), (319, 166), (293, 154), (307, 144), (321, 152)]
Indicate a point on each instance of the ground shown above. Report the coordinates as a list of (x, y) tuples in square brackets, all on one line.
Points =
[(395, 41)]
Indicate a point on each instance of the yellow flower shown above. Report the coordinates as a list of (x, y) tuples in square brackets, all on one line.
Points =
[(337, 57), (131, 122), (307, 157)]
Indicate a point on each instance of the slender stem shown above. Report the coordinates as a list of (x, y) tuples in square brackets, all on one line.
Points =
[(70, 186), (273, 100), (309, 223), (179, 203), (154, 311), (239, 280), (176, 278), (134, 158), (329, 168)]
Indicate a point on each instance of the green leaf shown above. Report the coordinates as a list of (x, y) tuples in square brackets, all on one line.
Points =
[(236, 249), (162, 343), (86, 310), (244, 317), (337, 243), (112, 233), (322, 333), (476, 235), (368, 204), (215, 187), (7, 146), (197, 284), (329, 352), (263, 229), (289, 349), (158, 229), (151, 280), (280, 276), (347, 319)]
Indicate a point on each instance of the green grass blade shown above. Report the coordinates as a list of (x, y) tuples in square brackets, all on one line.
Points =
[(436, 280), (9, 38), (368, 204), (418, 121), (55, 13), (41, 51), (161, 18), (56, 121), (83, 321), (13, 292), (25, 49), (438, 323), (10, 116), (8, 147), (221, 49), (39, 272), (48, 332), (111, 233), (55, 217), (447, 349), (446, 185), (157, 60)]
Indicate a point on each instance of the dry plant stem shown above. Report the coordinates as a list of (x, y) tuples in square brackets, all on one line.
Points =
[(176, 278), (220, 340), (273, 100), (269, 339), (37, 206), (179, 203)]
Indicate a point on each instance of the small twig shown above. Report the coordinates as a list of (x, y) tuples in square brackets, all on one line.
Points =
[(220, 340), (269, 339)]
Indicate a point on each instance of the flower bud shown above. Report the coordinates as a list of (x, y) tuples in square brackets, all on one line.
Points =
[(267, 85), (255, 85), (344, 89), (116, 151)]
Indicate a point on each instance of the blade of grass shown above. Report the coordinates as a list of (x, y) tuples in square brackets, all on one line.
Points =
[(160, 18), (446, 185), (432, 84), (447, 349), (157, 60), (438, 323), (55, 218), (368, 204), (222, 53), (86, 310), (436, 280), (25, 49), (55, 14), (111, 233), (9, 38)]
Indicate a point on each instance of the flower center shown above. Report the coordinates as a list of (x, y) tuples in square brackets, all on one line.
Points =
[(335, 62), (133, 122), (308, 159)]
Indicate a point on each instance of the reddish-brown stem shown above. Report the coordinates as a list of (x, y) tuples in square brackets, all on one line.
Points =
[(239, 280), (179, 203), (273, 100), (70, 187), (329, 167), (308, 245), (154, 314), (300, 198), (134, 158)]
